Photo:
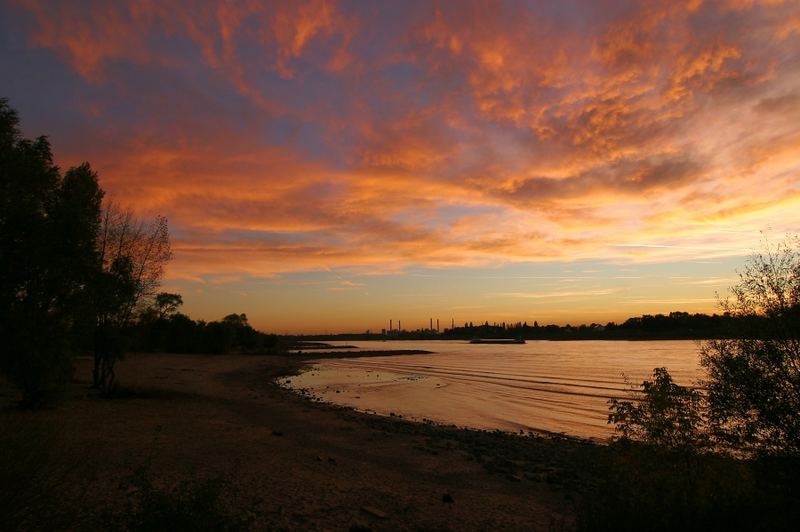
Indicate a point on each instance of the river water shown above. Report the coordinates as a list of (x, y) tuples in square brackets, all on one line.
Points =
[(560, 387)]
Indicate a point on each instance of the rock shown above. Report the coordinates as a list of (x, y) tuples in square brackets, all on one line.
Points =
[(277, 433), (374, 512), (332, 460), (447, 498)]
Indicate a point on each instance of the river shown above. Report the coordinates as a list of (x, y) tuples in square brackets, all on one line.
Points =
[(560, 387)]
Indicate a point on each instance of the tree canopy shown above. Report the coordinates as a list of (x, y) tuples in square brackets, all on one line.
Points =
[(48, 229), (753, 378), (750, 400), (71, 266), (132, 255)]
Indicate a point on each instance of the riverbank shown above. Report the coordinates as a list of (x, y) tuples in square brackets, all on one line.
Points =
[(196, 442), (184, 423)]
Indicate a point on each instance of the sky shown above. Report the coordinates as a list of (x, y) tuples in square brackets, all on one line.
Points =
[(327, 166)]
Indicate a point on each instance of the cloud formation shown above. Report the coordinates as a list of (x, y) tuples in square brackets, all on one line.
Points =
[(306, 135)]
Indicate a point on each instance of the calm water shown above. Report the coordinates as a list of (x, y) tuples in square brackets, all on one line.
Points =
[(554, 386)]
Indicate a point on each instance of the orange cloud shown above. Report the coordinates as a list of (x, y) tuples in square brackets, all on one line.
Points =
[(308, 135)]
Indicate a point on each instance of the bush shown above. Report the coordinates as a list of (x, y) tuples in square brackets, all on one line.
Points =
[(190, 505), (662, 414), (753, 378), (649, 488), (752, 385)]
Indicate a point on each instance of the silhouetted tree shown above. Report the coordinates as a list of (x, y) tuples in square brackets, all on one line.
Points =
[(183, 335), (752, 386), (132, 257), (219, 337), (166, 304), (754, 378), (662, 413), (232, 333), (48, 225)]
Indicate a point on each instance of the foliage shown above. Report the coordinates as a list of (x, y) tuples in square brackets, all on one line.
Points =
[(48, 224), (753, 378), (650, 488), (68, 270), (663, 414), (167, 304), (177, 333), (752, 385), (195, 504), (132, 257)]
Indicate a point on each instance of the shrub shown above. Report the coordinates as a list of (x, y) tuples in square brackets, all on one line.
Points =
[(662, 414)]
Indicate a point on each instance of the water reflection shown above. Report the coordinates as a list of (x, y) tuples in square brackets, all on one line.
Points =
[(553, 386)]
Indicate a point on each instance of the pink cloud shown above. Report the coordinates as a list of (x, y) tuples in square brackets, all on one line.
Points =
[(479, 134)]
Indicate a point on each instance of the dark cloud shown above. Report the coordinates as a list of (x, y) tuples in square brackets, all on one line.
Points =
[(634, 177)]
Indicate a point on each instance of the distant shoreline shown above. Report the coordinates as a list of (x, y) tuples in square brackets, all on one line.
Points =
[(375, 338), (676, 325)]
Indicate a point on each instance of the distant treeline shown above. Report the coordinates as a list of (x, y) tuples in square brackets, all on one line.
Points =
[(178, 333), (672, 326), (675, 325)]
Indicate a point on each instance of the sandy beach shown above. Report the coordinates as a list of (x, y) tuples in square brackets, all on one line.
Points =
[(285, 461)]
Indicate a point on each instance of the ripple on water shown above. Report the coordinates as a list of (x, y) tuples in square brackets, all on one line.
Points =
[(559, 387)]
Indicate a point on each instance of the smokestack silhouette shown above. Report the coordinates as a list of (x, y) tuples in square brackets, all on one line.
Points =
[(437, 324), (431, 325), (399, 325), (390, 325)]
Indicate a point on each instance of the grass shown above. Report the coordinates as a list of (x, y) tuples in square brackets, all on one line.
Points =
[(46, 484), (36, 470), (645, 488)]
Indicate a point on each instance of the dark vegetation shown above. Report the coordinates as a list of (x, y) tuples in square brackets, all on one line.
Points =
[(644, 487), (128, 258), (161, 328), (73, 270), (48, 229), (79, 275), (749, 402), (721, 454), (675, 325), (43, 470)]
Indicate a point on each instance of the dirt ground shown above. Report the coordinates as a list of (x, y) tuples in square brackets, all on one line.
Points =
[(290, 463)]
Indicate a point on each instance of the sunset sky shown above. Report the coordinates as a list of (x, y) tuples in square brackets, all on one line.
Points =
[(327, 166)]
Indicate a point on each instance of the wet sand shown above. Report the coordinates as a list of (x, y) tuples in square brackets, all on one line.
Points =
[(294, 464)]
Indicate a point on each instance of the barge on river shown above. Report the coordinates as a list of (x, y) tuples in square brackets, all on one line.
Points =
[(497, 341)]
